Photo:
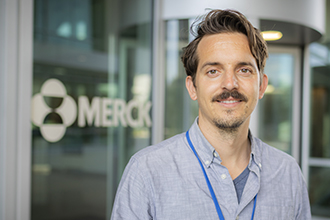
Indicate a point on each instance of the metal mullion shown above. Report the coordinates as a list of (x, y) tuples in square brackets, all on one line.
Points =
[(8, 72), (296, 106), (306, 90), (158, 75), (24, 92), (319, 162)]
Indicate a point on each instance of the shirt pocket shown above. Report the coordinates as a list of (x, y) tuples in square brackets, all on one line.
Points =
[(273, 212)]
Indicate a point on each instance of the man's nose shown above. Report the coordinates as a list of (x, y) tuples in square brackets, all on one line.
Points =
[(229, 81)]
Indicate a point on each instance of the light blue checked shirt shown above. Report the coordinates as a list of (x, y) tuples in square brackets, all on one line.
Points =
[(165, 181)]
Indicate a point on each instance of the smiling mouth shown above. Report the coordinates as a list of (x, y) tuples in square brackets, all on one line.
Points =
[(230, 101)]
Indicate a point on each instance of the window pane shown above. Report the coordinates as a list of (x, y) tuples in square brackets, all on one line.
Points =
[(320, 111), (180, 110), (319, 176), (319, 182), (275, 117), (91, 102)]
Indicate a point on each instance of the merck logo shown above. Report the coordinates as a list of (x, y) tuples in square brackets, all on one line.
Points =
[(102, 111), (53, 88)]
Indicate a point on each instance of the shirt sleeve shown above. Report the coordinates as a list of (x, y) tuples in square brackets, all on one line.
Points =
[(133, 193), (302, 209)]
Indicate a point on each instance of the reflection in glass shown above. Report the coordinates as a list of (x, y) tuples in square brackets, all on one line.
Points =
[(180, 110), (275, 108), (319, 194), (320, 111), (100, 50)]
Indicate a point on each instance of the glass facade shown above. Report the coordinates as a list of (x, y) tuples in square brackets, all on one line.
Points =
[(91, 104), (91, 101), (319, 161)]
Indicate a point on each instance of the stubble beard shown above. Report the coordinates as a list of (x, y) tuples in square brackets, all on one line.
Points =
[(230, 126)]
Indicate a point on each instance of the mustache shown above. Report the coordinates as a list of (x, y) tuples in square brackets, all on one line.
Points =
[(226, 94)]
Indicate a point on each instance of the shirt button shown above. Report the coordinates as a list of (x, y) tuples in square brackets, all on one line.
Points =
[(237, 217), (207, 162), (215, 154), (259, 165), (223, 176)]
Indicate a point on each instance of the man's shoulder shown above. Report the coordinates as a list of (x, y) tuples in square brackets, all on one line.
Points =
[(274, 155), (163, 149)]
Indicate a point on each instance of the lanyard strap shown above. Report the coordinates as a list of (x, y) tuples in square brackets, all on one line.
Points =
[(215, 201)]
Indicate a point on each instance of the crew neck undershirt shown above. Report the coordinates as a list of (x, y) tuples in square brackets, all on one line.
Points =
[(239, 183)]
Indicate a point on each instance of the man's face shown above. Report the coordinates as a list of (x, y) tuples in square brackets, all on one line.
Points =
[(227, 81)]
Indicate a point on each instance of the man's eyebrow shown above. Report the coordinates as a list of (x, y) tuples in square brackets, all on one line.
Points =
[(246, 64), (210, 64)]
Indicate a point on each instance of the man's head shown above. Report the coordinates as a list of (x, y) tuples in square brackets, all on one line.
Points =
[(224, 21), (224, 65)]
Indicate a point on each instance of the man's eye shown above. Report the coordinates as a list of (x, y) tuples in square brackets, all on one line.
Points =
[(245, 70), (212, 72)]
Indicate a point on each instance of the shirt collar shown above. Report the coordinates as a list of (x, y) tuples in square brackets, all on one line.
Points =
[(203, 148), (207, 153), (255, 151)]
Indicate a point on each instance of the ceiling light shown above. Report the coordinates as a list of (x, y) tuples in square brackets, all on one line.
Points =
[(271, 35)]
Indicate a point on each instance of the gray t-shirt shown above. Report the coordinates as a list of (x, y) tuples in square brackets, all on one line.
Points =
[(239, 183)]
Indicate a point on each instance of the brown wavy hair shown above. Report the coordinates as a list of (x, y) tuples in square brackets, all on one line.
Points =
[(223, 21)]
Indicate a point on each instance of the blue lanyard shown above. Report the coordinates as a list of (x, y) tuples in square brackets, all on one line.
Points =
[(210, 186)]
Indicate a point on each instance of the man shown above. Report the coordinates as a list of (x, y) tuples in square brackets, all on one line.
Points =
[(218, 169)]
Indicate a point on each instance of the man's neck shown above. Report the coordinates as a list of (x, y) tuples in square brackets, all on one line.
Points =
[(233, 146)]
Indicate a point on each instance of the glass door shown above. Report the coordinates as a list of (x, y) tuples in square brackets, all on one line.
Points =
[(279, 110), (90, 105)]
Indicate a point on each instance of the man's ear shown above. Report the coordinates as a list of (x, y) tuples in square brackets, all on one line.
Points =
[(191, 88), (263, 86)]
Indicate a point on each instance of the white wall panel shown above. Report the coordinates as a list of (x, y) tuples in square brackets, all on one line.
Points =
[(310, 13)]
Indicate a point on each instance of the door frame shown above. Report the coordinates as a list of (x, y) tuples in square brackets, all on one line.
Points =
[(16, 60)]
